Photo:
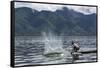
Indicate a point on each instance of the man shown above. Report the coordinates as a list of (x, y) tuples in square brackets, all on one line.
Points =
[(75, 46)]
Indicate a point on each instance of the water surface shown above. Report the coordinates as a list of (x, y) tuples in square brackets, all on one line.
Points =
[(29, 50)]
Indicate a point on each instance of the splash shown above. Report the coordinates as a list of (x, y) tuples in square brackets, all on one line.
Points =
[(53, 45)]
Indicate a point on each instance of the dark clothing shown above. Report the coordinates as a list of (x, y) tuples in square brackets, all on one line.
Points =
[(75, 49)]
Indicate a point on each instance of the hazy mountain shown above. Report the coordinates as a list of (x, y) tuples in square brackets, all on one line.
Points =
[(62, 22)]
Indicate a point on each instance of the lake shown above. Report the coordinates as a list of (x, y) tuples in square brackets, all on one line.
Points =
[(30, 50)]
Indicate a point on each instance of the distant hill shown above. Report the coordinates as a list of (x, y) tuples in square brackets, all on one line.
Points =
[(62, 22)]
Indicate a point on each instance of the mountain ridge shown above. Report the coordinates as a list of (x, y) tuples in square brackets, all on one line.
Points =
[(62, 22)]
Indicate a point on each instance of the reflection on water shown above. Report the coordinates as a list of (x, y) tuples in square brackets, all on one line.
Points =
[(30, 50)]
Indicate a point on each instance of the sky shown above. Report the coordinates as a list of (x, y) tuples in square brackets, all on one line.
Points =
[(52, 7)]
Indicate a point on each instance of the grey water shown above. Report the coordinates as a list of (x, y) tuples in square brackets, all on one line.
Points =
[(29, 50)]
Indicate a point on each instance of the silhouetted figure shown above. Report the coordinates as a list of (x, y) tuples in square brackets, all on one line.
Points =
[(75, 46), (75, 49)]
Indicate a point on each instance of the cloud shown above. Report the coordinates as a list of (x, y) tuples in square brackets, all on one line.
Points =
[(83, 9), (54, 7), (38, 6)]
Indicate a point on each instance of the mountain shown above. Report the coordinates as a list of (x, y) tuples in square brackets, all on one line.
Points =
[(62, 22)]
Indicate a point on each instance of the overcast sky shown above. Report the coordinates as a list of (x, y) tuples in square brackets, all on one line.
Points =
[(52, 7)]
